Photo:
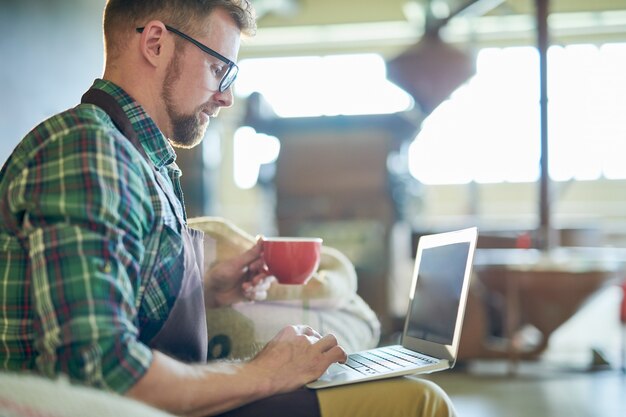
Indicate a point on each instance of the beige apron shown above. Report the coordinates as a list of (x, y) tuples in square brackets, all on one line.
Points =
[(184, 333)]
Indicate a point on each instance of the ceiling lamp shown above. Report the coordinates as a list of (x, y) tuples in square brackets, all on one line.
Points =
[(431, 70)]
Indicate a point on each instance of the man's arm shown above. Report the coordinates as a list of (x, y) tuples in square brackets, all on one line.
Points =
[(85, 213), (297, 355)]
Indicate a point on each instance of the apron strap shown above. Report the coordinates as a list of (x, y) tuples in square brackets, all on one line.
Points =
[(110, 106), (107, 103)]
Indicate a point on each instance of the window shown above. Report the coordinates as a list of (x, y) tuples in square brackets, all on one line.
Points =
[(323, 86), (489, 129)]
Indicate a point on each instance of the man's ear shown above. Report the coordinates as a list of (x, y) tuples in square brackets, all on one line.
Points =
[(152, 42)]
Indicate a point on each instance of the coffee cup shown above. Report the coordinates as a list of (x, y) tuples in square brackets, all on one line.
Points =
[(292, 260)]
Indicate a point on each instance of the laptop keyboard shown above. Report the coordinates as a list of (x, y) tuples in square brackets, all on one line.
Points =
[(386, 359)]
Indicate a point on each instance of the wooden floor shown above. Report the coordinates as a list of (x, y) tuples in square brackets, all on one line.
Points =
[(568, 380)]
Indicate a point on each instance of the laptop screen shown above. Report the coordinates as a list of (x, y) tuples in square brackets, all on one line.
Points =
[(435, 305)]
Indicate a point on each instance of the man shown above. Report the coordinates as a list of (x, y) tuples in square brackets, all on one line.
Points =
[(101, 278)]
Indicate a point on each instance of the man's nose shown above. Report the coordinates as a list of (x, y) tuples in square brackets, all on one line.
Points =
[(226, 98)]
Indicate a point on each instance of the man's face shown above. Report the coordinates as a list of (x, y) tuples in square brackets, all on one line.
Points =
[(190, 90)]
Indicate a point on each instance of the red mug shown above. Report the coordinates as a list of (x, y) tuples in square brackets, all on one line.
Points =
[(292, 260)]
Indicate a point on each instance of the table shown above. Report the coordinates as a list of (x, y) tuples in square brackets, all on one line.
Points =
[(542, 289)]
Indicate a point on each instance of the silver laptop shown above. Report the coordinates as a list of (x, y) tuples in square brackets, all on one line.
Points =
[(432, 328)]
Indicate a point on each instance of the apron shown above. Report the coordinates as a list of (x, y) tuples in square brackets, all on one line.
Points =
[(184, 333)]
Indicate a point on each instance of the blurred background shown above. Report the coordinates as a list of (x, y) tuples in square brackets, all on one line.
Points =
[(370, 123)]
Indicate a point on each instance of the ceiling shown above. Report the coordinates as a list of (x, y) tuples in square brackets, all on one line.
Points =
[(389, 26)]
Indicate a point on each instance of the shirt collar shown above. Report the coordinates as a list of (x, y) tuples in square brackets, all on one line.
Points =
[(156, 145)]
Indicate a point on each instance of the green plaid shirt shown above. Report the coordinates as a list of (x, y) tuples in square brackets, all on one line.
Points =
[(90, 248)]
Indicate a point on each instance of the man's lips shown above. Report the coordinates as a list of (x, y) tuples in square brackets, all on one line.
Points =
[(207, 114)]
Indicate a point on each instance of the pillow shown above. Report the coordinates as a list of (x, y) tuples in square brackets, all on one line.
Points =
[(328, 302)]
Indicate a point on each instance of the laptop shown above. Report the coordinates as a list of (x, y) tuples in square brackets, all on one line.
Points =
[(432, 328)]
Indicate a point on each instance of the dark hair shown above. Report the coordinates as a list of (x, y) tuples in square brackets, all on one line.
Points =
[(123, 16)]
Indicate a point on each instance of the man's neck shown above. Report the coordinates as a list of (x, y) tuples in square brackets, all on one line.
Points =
[(143, 90)]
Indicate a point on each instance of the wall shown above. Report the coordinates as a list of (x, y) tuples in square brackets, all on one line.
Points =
[(51, 51)]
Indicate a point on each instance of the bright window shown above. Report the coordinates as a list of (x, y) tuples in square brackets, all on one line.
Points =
[(323, 86), (489, 130)]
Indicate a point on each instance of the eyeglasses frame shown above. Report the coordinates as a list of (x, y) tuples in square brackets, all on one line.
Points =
[(209, 51)]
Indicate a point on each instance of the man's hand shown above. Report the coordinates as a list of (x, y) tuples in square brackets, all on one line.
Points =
[(241, 278), (296, 356)]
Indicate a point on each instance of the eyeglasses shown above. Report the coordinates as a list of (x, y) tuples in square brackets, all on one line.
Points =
[(229, 75)]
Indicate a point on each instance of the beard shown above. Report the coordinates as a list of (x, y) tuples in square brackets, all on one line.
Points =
[(187, 129)]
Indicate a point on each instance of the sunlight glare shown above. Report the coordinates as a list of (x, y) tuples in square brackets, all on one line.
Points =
[(251, 150)]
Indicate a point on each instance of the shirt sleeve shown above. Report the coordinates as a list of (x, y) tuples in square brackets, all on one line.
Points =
[(87, 213)]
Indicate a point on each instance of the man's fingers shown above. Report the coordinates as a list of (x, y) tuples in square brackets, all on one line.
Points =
[(260, 282), (331, 349), (248, 258), (308, 331), (257, 265), (337, 354), (257, 288), (328, 345), (328, 342)]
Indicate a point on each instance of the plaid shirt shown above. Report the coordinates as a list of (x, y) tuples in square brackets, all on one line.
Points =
[(90, 248)]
